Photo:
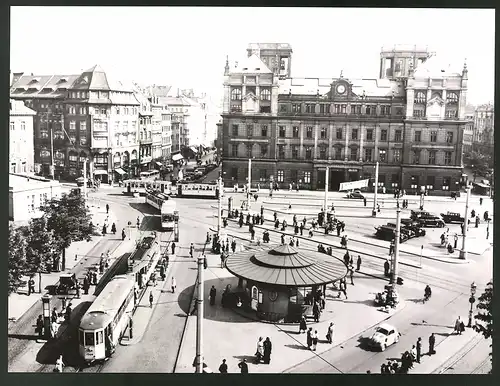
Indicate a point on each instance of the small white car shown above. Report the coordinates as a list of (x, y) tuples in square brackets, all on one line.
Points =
[(384, 336)]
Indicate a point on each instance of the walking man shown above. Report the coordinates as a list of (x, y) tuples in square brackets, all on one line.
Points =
[(329, 334), (173, 248), (213, 292), (191, 250), (432, 342), (309, 338), (351, 273), (243, 366), (174, 284), (151, 299), (386, 268), (419, 349), (364, 201), (358, 263), (107, 208), (31, 286), (223, 367)]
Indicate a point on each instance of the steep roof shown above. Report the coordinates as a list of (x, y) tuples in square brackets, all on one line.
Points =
[(252, 65), (18, 108)]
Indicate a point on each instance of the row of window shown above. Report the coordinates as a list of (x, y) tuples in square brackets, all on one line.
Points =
[(22, 125), (339, 109), (18, 168), (421, 97), (265, 93), (339, 133), (421, 112)]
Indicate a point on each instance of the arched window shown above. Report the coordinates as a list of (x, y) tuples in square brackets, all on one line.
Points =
[(420, 97), (265, 95), (236, 94), (451, 98)]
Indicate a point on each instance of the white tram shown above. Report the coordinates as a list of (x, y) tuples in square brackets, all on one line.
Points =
[(106, 319), (198, 190), (141, 186), (166, 206)]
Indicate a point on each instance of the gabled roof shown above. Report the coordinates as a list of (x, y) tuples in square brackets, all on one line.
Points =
[(18, 108), (252, 65)]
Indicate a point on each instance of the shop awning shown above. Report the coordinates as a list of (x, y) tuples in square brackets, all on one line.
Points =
[(177, 157), (193, 149), (159, 163), (99, 172), (120, 171)]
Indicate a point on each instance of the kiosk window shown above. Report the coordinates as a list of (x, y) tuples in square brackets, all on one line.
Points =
[(89, 339), (100, 337)]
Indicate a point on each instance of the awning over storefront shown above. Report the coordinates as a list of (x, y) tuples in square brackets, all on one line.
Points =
[(177, 157), (120, 171), (159, 163), (193, 149), (100, 172)]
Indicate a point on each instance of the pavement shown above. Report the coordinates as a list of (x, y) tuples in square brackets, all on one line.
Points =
[(19, 302)]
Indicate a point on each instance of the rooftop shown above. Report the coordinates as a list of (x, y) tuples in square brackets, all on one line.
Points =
[(251, 65), (284, 265), (27, 182), (18, 108), (269, 46)]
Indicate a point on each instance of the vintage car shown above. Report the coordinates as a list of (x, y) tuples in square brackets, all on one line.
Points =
[(387, 232), (384, 336), (431, 221), (147, 242), (450, 217), (67, 283), (355, 194)]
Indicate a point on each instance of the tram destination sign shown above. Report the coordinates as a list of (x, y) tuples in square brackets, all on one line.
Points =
[(353, 185)]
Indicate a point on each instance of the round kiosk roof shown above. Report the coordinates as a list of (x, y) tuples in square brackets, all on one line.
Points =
[(284, 265)]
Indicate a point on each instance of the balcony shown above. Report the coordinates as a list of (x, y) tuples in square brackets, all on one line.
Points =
[(146, 141)]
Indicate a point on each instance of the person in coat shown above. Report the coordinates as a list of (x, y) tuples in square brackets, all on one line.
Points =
[(267, 351), (223, 367), (173, 248), (419, 349), (113, 228), (243, 366), (309, 338), (316, 311), (123, 234), (213, 292), (302, 325), (151, 299), (432, 342), (174, 284), (387, 266), (259, 354), (358, 263), (329, 334), (314, 338), (39, 326)]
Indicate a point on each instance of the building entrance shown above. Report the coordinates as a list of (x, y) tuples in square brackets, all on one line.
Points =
[(336, 177)]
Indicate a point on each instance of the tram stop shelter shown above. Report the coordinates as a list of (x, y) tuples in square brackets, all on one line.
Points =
[(278, 282)]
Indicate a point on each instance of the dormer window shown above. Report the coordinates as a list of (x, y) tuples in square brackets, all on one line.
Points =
[(62, 80), (35, 80), (420, 97), (451, 98)]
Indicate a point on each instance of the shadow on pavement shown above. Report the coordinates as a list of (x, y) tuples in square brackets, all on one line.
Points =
[(22, 337), (249, 358), (297, 346), (67, 344), (144, 208), (366, 302), (364, 344), (215, 312)]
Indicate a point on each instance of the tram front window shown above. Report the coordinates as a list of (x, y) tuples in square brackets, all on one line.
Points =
[(89, 339), (167, 218)]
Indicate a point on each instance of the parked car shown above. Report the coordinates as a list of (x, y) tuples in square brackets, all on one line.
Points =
[(431, 221), (384, 336), (355, 194), (388, 232), (147, 242), (450, 217), (67, 283)]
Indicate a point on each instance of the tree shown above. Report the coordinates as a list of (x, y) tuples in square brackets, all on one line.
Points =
[(69, 219), (484, 319), (40, 249), (17, 259), (479, 162)]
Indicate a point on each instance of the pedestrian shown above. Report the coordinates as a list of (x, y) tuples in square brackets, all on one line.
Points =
[(302, 325), (223, 367), (39, 326), (107, 208), (347, 258), (138, 222), (329, 334), (457, 325), (309, 338), (59, 365), (351, 273), (358, 263), (173, 248), (113, 228), (174, 284), (455, 241), (386, 267), (151, 299), (104, 230), (267, 351), (31, 286), (314, 338), (78, 288), (233, 246), (432, 342), (243, 366), (480, 201), (123, 234), (191, 249), (364, 201), (419, 349), (259, 354), (316, 311), (378, 208), (213, 293), (205, 262)]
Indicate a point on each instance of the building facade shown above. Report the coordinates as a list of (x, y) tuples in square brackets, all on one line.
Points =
[(88, 117), (294, 128), (469, 128), (484, 124), (21, 147)]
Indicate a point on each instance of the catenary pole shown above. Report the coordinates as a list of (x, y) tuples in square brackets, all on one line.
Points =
[(394, 273), (327, 172), (199, 318), (463, 252), (374, 211)]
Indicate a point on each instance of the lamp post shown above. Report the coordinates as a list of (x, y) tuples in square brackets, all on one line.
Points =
[(199, 318), (327, 172), (249, 182), (85, 178), (46, 315), (219, 206), (463, 252), (374, 211), (472, 300)]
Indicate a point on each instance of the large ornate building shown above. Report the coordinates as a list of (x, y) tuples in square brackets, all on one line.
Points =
[(411, 121)]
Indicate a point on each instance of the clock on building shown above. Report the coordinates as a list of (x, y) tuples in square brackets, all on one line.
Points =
[(340, 89)]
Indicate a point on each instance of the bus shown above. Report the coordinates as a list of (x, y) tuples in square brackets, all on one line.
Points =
[(198, 190), (106, 319), (166, 206), (131, 187), (149, 175)]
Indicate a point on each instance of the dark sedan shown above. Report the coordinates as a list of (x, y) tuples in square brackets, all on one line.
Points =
[(355, 194)]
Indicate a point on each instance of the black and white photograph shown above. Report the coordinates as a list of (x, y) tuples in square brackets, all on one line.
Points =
[(251, 190)]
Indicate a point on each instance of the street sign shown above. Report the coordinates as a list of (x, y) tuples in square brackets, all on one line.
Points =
[(353, 185)]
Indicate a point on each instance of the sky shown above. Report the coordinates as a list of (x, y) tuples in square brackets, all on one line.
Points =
[(187, 46)]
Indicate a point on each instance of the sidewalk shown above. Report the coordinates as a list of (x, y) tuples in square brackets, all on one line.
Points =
[(223, 327), (19, 302)]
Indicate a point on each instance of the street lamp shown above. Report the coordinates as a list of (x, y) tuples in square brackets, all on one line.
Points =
[(46, 315), (472, 300)]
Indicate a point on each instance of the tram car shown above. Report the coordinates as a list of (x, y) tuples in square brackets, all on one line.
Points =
[(198, 190), (131, 187), (106, 319)]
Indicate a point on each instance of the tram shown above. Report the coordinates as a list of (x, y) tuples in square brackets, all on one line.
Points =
[(166, 206), (106, 319), (195, 190), (141, 186)]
